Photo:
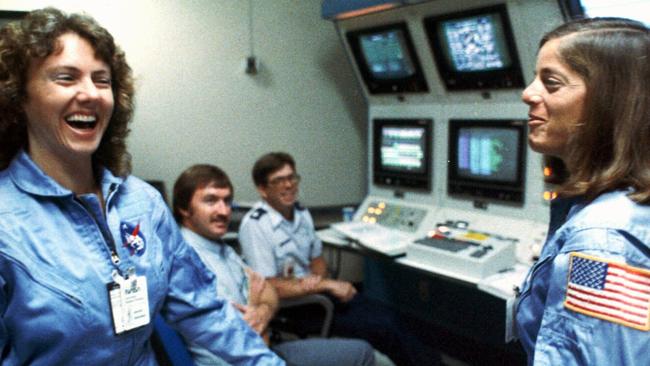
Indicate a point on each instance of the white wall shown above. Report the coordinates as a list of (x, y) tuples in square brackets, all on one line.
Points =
[(196, 105)]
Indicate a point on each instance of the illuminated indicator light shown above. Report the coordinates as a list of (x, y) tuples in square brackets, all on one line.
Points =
[(550, 195), (548, 171), (432, 233), (378, 212), (475, 236), (382, 205), (372, 220), (364, 219), (371, 210)]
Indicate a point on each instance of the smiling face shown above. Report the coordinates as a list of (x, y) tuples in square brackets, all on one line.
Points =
[(556, 100), (209, 212), (281, 190), (69, 102)]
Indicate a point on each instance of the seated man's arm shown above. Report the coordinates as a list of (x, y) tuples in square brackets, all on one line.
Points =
[(262, 302), (342, 290), (312, 284), (259, 253)]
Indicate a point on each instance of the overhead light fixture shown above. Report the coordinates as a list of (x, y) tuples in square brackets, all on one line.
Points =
[(343, 9)]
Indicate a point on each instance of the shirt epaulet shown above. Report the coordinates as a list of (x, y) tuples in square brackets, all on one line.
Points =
[(258, 213)]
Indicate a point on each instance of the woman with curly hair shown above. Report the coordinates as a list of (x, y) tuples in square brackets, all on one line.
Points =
[(89, 254)]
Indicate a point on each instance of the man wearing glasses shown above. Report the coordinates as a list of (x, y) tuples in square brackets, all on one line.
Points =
[(278, 240)]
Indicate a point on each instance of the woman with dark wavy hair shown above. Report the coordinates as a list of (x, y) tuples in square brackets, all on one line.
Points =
[(587, 299), (89, 255)]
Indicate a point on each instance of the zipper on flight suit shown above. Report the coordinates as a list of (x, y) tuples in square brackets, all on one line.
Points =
[(108, 238)]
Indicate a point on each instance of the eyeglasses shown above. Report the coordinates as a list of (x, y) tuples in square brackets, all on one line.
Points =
[(277, 181)]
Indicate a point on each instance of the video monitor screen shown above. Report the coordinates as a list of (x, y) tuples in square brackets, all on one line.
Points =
[(488, 153), (386, 59), (475, 43), (475, 49), (402, 152), (386, 54), (487, 159), (403, 148)]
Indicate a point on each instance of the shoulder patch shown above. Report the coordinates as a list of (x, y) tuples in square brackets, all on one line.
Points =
[(258, 213), (608, 290)]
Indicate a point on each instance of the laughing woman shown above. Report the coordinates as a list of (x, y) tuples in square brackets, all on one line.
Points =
[(89, 254)]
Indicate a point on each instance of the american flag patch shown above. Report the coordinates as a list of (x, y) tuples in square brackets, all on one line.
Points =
[(610, 291)]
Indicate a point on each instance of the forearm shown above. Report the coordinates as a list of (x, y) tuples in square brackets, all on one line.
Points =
[(269, 299), (292, 287)]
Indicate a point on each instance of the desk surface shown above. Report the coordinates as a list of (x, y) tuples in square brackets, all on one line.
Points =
[(499, 284)]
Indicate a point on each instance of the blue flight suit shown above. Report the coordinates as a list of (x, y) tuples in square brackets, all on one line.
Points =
[(610, 232), (55, 265)]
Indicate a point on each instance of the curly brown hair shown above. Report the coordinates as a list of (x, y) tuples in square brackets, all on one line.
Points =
[(36, 37)]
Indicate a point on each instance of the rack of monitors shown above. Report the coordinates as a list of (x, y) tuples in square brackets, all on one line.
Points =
[(473, 49)]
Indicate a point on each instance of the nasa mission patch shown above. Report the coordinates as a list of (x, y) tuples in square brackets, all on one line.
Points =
[(132, 238)]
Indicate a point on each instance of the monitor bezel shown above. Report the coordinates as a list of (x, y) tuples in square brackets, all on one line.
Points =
[(415, 83), (506, 78), (382, 176), (483, 189)]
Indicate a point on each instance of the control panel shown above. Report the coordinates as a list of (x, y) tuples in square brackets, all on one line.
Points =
[(394, 216), (459, 251), (468, 245)]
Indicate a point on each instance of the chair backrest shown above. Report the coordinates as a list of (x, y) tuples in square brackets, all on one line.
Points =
[(291, 316)]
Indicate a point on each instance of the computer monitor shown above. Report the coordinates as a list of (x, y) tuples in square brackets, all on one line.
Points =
[(475, 49), (386, 59), (487, 159), (402, 153)]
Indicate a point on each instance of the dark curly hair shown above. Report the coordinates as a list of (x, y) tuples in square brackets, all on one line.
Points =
[(35, 37)]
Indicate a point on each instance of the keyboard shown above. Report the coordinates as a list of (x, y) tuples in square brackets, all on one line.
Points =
[(375, 237), (450, 245)]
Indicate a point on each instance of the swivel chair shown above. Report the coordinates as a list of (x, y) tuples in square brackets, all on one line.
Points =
[(284, 322)]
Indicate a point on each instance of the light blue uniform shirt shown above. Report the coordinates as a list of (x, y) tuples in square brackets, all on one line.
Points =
[(274, 246), (55, 265), (221, 259), (611, 228), (232, 283)]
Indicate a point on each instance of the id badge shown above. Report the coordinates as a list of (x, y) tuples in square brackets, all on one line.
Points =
[(129, 302)]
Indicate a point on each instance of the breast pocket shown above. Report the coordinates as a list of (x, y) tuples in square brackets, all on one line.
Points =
[(285, 253)]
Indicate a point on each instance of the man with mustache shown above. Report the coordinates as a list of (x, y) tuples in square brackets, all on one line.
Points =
[(203, 196)]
